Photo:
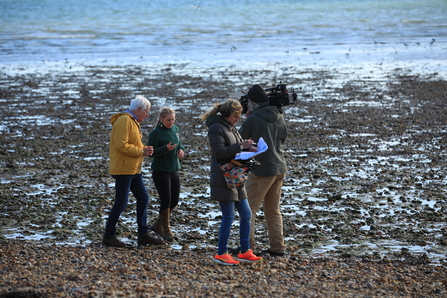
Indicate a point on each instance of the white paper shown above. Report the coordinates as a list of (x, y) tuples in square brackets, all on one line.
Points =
[(262, 147)]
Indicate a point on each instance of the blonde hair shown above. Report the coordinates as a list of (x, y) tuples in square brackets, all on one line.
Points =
[(226, 109), (164, 112)]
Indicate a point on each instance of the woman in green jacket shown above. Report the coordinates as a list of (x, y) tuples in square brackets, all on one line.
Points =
[(168, 149)]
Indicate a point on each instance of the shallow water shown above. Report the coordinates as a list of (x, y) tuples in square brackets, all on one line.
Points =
[(222, 32)]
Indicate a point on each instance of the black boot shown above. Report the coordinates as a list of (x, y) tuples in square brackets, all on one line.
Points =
[(112, 241), (148, 239)]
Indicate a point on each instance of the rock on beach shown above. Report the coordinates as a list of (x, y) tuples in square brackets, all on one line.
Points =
[(30, 270), (364, 201)]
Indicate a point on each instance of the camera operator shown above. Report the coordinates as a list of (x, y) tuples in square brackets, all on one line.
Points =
[(265, 181)]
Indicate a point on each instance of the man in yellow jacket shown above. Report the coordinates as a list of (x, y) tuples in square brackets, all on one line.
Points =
[(126, 158)]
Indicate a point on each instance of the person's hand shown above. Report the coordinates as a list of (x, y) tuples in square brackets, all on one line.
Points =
[(170, 146), (180, 154), (148, 151), (248, 144)]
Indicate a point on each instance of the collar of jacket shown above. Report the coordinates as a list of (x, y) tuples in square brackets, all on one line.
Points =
[(216, 119), (128, 111), (164, 127), (263, 105)]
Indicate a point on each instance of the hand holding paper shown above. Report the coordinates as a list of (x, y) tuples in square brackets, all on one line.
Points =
[(262, 147)]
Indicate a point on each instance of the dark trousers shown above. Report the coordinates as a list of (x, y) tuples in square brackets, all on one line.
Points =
[(124, 183), (168, 188)]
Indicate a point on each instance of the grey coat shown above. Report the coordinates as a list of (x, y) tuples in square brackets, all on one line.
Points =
[(225, 144), (267, 122)]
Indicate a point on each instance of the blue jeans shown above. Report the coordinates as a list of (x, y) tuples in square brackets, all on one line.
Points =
[(124, 183), (244, 211)]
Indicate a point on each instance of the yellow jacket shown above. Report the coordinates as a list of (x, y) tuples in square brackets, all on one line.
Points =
[(126, 148)]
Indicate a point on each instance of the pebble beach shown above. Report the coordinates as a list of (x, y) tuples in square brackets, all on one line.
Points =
[(364, 201), (30, 270), (363, 204)]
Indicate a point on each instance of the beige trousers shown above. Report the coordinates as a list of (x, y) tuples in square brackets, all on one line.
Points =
[(267, 191)]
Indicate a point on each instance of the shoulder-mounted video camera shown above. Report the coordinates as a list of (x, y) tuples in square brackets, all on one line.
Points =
[(278, 96)]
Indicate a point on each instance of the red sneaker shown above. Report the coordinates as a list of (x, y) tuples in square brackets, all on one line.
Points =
[(225, 259), (248, 257)]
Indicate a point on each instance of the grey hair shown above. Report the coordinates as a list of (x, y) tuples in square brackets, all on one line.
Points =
[(140, 102), (253, 105)]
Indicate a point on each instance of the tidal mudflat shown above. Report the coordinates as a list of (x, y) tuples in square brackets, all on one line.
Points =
[(366, 155)]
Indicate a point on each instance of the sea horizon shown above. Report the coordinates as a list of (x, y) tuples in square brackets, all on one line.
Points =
[(224, 33)]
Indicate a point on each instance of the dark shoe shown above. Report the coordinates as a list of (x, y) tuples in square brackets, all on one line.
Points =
[(169, 237), (234, 251), (112, 241), (148, 239), (272, 253), (167, 234), (157, 227)]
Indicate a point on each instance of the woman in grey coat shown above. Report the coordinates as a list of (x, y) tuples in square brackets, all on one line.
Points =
[(225, 143)]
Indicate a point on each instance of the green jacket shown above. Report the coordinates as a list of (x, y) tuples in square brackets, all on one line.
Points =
[(163, 159), (267, 122)]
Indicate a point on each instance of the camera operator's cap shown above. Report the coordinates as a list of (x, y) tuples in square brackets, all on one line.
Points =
[(257, 94)]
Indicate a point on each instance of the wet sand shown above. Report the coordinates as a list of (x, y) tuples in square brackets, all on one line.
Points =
[(364, 199)]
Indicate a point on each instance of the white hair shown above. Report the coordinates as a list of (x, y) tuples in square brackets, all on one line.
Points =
[(253, 105), (140, 102)]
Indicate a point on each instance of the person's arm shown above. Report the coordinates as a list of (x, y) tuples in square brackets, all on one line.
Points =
[(218, 146), (155, 140), (181, 150), (122, 137)]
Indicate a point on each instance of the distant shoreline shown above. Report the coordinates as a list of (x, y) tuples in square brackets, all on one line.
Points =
[(420, 56)]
